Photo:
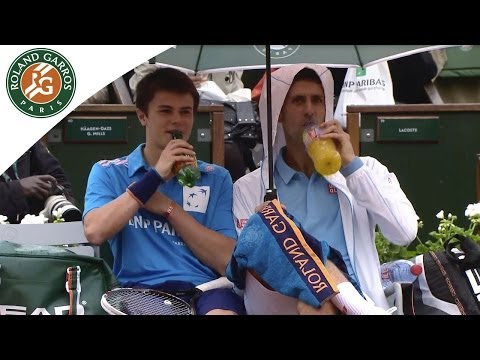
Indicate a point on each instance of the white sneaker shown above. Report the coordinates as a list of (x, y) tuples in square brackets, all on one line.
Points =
[(379, 311)]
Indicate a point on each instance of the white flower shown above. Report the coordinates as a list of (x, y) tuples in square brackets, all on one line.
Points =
[(472, 210), (440, 215), (57, 215), (32, 219), (3, 219)]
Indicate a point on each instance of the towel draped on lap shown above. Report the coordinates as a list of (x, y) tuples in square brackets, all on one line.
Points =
[(285, 256)]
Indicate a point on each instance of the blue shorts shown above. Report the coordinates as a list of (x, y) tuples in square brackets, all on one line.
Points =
[(203, 302), (222, 298)]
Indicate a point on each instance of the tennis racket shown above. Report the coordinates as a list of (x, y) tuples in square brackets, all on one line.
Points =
[(128, 301)]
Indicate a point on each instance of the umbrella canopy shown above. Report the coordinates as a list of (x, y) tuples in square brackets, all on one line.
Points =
[(462, 62), (216, 58)]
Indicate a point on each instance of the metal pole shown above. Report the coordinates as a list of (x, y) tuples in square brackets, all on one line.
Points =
[(271, 193)]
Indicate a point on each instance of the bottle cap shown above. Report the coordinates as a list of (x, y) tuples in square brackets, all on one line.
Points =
[(416, 269), (310, 133), (177, 134)]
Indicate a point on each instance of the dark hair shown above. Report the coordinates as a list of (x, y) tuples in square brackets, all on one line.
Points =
[(164, 79), (308, 74)]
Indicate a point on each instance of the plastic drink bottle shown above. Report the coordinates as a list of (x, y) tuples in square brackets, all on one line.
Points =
[(323, 152), (187, 173), (399, 271)]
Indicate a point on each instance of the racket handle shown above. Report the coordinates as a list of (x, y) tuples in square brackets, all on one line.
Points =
[(221, 282)]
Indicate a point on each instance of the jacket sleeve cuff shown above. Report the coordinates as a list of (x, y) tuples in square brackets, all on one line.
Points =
[(18, 197), (352, 167)]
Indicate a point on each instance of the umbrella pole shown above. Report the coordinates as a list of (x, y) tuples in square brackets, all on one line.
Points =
[(271, 193)]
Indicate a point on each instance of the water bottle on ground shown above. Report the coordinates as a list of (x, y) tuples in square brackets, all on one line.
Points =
[(323, 152), (399, 271), (187, 173)]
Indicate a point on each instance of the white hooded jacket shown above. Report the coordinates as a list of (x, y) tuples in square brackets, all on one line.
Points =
[(368, 197)]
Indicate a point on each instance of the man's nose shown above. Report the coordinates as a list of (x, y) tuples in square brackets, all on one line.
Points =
[(309, 108), (175, 118)]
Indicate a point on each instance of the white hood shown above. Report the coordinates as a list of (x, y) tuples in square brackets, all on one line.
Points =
[(281, 81)]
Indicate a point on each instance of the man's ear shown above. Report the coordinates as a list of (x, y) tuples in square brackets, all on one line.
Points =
[(142, 117)]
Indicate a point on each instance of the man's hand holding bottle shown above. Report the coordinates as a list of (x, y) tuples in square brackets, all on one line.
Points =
[(178, 159)]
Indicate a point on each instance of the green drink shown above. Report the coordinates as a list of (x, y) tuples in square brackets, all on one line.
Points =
[(187, 173)]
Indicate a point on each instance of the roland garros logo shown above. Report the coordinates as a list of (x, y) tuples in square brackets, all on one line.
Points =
[(40, 82), (278, 51)]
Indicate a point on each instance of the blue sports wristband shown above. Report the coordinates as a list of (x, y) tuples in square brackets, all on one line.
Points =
[(143, 190)]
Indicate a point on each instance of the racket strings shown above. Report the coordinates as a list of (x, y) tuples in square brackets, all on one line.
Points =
[(147, 302)]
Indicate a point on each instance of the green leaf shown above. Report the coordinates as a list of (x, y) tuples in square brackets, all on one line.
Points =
[(445, 230)]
